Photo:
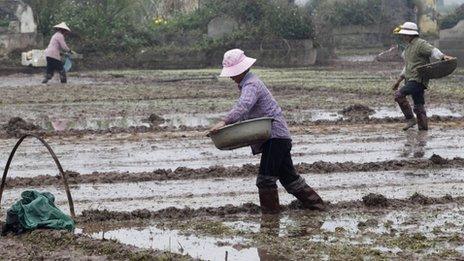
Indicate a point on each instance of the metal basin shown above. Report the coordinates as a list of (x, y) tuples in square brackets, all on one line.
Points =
[(242, 134), (438, 69)]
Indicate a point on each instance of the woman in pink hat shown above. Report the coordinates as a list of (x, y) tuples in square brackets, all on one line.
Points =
[(53, 53), (276, 161)]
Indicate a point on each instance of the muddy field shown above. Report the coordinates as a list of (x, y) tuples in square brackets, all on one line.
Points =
[(148, 184)]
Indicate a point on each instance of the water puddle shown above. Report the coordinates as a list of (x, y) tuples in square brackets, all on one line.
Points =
[(190, 120), (106, 115), (217, 192), (92, 123), (379, 113), (388, 232), (21, 80), (200, 247), (150, 151), (57, 122), (435, 111), (357, 58)]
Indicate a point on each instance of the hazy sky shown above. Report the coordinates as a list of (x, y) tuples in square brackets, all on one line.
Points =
[(452, 2)]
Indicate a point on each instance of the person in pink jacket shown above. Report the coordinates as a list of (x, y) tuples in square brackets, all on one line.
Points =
[(53, 53)]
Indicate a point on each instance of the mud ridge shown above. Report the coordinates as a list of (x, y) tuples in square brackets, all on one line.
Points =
[(372, 201), (357, 111), (16, 133), (247, 170), (366, 120), (17, 126), (168, 213)]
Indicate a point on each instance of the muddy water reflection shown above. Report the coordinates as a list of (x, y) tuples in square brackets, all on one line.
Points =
[(380, 113), (190, 120), (415, 144), (202, 247), (103, 123), (427, 230)]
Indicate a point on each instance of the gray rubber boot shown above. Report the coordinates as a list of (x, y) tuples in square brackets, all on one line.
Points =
[(421, 114), (269, 200), (409, 124), (310, 199), (47, 78), (407, 112), (63, 77)]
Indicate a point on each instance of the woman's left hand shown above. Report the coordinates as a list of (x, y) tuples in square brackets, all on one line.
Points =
[(217, 126)]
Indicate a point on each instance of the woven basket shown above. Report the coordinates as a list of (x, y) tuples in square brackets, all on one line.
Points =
[(438, 69)]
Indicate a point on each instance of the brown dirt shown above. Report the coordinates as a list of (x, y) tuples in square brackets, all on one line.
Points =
[(15, 133), (357, 111), (437, 159), (246, 170), (168, 213), (375, 200), (155, 120), (17, 126), (369, 202)]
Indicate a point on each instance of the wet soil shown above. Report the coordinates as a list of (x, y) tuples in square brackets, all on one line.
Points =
[(248, 170), (146, 152), (357, 111), (370, 202), (134, 147), (400, 229), (61, 245), (17, 126)]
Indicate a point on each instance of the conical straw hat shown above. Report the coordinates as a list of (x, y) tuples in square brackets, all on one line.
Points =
[(62, 26)]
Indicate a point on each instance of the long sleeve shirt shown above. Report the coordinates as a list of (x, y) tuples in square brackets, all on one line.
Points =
[(56, 45), (418, 53), (256, 101)]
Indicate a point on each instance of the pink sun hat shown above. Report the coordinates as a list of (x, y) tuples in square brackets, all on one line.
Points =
[(235, 62)]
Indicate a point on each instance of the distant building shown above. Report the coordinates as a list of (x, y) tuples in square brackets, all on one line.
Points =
[(18, 29)]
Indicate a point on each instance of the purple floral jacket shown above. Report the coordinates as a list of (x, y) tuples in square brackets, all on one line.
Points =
[(256, 101)]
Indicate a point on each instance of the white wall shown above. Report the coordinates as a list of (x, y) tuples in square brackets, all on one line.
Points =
[(26, 18)]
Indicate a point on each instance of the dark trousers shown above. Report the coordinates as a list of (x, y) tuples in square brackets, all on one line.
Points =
[(54, 65), (415, 89), (276, 164)]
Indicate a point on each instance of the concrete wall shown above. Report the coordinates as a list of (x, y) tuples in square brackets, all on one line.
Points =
[(452, 41), (21, 32), (349, 37), (275, 53)]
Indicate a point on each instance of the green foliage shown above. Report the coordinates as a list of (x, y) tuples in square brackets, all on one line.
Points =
[(258, 18), (97, 25), (124, 25), (452, 19), (4, 23), (353, 12)]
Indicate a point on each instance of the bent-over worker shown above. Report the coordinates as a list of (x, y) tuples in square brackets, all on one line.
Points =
[(276, 161)]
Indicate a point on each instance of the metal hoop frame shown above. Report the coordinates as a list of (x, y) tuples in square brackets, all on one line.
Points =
[(58, 165)]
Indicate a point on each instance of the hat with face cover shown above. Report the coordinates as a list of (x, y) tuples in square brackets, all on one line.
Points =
[(409, 28)]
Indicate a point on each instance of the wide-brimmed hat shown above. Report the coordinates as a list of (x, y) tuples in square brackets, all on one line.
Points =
[(409, 28), (62, 26), (235, 63)]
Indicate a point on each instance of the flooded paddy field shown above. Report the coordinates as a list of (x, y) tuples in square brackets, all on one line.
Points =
[(147, 182)]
